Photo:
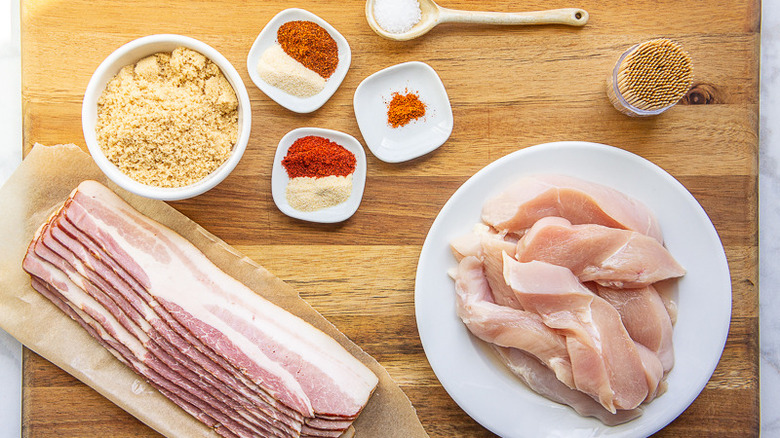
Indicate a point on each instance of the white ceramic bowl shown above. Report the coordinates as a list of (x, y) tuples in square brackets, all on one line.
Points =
[(267, 37), (280, 179), (132, 52), (419, 137)]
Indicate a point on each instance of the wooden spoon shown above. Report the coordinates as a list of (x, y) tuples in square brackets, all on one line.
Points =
[(433, 14)]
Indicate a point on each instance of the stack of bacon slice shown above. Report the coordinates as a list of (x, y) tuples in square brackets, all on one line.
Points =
[(559, 280), (230, 358)]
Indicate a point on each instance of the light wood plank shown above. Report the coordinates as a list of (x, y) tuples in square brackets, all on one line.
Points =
[(510, 88)]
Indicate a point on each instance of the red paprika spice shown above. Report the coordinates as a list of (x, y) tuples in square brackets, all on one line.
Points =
[(311, 45), (316, 157), (403, 108)]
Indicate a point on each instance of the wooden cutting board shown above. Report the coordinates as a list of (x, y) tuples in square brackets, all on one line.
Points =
[(510, 88)]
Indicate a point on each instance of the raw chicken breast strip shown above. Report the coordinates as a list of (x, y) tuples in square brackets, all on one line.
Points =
[(492, 249), (488, 246), (645, 318), (505, 326), (531, 198), (543, 381), (608, 256), (605, 361)]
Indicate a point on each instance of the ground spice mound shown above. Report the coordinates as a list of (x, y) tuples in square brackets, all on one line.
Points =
[(311, 45), (403, 108), (317, 157), (312, 194), (169, 120)]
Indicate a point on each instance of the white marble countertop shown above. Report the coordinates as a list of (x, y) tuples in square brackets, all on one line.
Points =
[(10, 157), (769, 180)]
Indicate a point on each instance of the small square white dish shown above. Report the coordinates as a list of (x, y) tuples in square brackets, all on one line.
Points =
[(280, 179), (418, 137), (267, 38)]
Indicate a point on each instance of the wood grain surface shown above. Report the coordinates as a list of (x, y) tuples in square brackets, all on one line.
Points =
[(509, 87)]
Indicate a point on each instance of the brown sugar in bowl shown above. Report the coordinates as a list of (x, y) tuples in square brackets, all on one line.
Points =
[(131, 53)]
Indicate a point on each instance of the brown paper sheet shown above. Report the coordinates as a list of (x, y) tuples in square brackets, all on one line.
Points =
[(42, 182)]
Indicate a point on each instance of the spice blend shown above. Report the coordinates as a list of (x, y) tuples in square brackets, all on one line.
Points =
[(403, 108), (311, 45), (320, 173)]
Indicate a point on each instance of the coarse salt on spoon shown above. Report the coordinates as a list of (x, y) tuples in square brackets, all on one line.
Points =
[(433, 14)]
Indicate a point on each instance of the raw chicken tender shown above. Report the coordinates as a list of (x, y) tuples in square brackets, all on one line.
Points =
[(558, 279), (505, 326), (581, 202), (539, 378), (608, 256), (645, 318), (606, 362)]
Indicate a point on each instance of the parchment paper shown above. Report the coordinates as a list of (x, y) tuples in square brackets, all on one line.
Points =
[(42, 182)]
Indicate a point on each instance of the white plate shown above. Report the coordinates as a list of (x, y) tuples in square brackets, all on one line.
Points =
[(420, 136), (267, 37), (280, 179), (483, 387)]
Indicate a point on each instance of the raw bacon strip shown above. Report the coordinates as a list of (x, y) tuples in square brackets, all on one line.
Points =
[(115, 347), (335, 383), (542, 380), (111, 304), (605, 362), (327, 426), (61, 283), (108, 280), (156, 329), (170, 329), (73, 287), (581, 202), (260, 376), (608, 256), (335, 427)]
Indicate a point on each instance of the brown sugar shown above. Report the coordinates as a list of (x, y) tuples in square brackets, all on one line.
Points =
[(169, 120)]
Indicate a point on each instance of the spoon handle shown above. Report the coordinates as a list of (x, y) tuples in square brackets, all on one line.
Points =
[(567, 16)]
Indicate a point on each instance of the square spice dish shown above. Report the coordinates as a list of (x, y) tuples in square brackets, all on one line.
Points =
[(321, 194), (289, 82), (397, 139)]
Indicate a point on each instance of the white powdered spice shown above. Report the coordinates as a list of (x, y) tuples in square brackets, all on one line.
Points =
[(397, 16), (311, 194), (282, 71)]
